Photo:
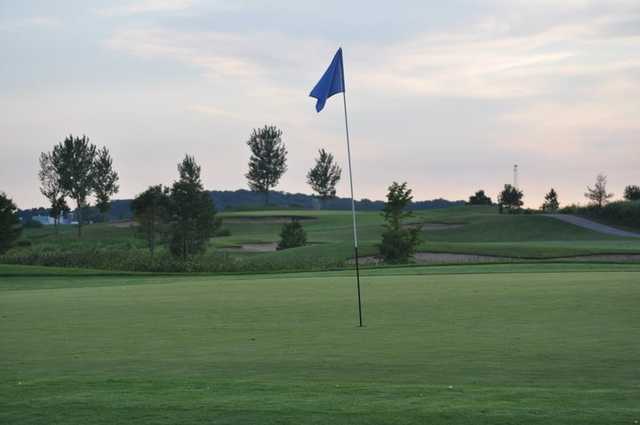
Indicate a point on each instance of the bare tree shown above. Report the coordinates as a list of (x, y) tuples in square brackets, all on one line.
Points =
[(598, 195)]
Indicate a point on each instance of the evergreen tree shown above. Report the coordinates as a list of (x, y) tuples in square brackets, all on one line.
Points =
[(632, 193), (399, 242), (193, 214), (598, 195), (551, 203), (324, 176), (268, 161), (151, 210), (10, 228), (292, 235)]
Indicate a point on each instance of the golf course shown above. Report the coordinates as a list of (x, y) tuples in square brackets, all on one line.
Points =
[(320, 213), (540, 335)]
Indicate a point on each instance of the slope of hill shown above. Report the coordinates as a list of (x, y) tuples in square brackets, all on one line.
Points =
[(254, 234)]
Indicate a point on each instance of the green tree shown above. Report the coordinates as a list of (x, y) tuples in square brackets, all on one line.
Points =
[(510, 198), (479, 198), (73, 160), (151, 210), (10, 228), (268, 160), (105, 180), (51, 188), (551, 203), (598, 195), (193, 214), (632, 193), (399, 242), (324, 176), (292, 235)]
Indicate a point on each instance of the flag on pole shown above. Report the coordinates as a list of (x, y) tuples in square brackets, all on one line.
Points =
[(332, 82)]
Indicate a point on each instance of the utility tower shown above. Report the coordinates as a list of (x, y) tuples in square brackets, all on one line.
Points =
[(515, 176)]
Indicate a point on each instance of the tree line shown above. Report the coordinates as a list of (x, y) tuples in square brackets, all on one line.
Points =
[(510, 198)]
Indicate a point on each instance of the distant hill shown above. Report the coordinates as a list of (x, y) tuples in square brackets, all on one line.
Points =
[(246, 200)]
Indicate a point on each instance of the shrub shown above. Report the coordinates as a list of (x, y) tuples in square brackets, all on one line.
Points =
[(399, 245), (222, 232), (399, 242), (292, 235), (623, 213)]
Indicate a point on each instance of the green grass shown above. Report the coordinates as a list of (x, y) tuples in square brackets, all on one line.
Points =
[(491, 344)]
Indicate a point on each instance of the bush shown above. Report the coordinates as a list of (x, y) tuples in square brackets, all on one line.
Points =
[(292, 235), (222, 232), (398, 246), (623, 213), (399, 242)]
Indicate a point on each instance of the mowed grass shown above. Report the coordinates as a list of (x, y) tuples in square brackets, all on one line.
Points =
[(493, 344)]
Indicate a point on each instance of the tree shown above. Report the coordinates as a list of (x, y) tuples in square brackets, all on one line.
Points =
[(51, 187), (510, 198), (10, 228), (193, 214), (73, 160), (105, 180), (268, 161), (292, 235), (551, 203), (151, 211), (632, 193), (479, 198), (324, 176), (399, 242), (598, 195)]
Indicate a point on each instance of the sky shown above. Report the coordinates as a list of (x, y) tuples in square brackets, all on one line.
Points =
[(447, 96)]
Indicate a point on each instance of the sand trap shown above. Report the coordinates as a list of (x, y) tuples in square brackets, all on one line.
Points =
[(434, 226), (439, 258), (626, 258), (253, 247), (126, 223), (271, 219), (446, 258)]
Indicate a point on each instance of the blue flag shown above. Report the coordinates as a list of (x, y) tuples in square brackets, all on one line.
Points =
[(332, 82)]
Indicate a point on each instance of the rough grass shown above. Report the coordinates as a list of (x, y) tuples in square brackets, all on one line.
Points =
[(494, 344), (329, 234)]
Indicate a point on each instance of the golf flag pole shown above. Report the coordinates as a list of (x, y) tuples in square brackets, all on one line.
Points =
[(332, 82)]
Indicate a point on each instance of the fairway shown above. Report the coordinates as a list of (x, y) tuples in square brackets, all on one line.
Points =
[(498, 344)]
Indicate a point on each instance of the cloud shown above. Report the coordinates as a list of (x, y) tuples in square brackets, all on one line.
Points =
[(145, 6), (34, 22)]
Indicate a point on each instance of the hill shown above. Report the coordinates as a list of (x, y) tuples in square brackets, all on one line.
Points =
[(227, 200)]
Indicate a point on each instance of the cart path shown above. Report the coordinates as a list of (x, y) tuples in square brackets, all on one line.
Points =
[(592, 225)]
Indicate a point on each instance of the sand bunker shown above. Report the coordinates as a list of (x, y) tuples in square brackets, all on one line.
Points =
[(265, 219), (253, 247)]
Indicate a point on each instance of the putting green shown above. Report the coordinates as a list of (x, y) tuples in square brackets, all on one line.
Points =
[(511, 344)]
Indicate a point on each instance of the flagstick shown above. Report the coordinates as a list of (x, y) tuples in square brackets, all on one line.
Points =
[(353, 208)]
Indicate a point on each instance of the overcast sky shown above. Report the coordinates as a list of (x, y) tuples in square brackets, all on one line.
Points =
[(445, 95)]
